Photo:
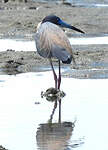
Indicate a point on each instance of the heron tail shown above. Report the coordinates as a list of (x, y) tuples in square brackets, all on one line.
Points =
[(62, 54), (68, 61)]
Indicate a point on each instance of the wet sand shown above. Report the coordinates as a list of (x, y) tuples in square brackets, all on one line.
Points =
[(87, 58), (19, 20)]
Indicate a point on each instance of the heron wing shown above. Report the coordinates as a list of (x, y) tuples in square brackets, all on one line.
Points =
[(61, 54), (51, 41)]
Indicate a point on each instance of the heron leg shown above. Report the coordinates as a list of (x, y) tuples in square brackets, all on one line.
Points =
[(55, 76), (59, 77), (59, 82)]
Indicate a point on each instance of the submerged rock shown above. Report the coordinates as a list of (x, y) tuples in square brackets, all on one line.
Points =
[(2, 148), (52, 94)]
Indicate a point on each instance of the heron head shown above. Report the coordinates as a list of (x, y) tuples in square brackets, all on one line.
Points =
[(56, 20)]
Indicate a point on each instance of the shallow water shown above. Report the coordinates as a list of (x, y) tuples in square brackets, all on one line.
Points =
[(28, 45), (22, 111), (17, 45), (89, 40), (81, 3)]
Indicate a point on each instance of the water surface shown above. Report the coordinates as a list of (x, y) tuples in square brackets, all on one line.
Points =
[(28, 45), (23, 113), (81, 3)]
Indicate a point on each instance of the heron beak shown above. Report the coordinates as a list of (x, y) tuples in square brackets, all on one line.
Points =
[(65, 25)]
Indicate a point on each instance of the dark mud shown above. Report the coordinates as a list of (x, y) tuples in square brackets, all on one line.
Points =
[(87, 58)]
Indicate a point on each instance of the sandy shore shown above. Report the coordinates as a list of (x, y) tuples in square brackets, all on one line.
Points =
[(19, 20)]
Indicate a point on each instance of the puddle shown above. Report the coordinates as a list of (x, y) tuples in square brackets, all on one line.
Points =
[(11, 44), (28, 45), (24, 115), (99, 64), (82, 3), (89, 40), (89, 5), (87, 73)]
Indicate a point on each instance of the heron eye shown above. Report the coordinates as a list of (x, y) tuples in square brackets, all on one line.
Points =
[(58, 19)]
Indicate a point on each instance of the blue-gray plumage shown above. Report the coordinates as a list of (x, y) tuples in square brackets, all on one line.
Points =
[(51, 41)]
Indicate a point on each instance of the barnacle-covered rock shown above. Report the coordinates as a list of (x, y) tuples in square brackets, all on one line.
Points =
[(52, 94)]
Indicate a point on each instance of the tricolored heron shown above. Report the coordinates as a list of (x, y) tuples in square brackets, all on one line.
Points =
[(51, 41)]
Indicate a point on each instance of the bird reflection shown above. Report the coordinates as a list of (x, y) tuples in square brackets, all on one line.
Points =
[(54, 136)]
